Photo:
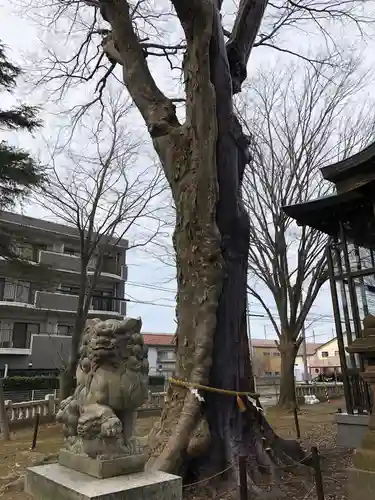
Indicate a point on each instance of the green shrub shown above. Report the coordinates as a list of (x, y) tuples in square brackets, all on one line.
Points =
[(30, 383), (156, 381), (17, 383)]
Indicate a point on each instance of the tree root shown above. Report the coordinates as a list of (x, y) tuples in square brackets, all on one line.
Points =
[(269, 456)]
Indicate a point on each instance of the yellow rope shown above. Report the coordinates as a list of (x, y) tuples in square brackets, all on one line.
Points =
[(192, 385)]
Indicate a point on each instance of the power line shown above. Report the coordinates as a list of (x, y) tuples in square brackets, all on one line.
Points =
[(136, 301), (133, 301), (144, 302), (253, 315), (323, 317)]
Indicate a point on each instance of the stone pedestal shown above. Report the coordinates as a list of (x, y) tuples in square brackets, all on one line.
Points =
[(351, 429), (361, 484), (56, 482), (102, 469)]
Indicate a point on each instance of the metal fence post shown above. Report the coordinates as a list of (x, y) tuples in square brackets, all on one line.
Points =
[(318, 473), (4, 421), (296, 422), (35, 434), (243, 478)]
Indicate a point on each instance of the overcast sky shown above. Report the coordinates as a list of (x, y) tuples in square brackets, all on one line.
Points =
[(151, 281)]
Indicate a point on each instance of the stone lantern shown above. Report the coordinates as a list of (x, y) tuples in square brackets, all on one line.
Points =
[(347, 217), (362, 475)]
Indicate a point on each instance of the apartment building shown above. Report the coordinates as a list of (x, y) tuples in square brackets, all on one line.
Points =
[(37, 308), (161, 353)]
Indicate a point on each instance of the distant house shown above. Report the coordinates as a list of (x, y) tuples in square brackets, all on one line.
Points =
[(325, 360), (299, 366), (161, 353), (267, 360)]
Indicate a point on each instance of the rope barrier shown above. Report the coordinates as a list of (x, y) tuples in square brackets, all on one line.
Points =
[(287, 466), (192, 385), (238, 394), (208, 478), (272, 467), (225, 493)]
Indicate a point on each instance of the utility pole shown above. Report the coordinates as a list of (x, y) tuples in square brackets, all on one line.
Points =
[(306, 369), (250, 341)]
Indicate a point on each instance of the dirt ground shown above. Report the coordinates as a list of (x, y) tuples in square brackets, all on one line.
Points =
[(317, 429)]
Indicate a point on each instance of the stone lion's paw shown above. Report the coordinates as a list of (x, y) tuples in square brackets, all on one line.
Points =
[(111, 427)]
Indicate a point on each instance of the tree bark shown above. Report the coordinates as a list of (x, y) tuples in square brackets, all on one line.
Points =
[(204, 161), (288, 350), (67, 376), (217, 432)]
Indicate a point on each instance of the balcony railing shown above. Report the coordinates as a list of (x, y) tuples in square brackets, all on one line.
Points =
[(112, 268), (10, 340), (109, 304), (63, 300), (6, 338), (70, 262), (17, 292)]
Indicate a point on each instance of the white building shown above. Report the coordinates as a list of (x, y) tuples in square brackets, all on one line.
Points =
[(324, 359), (161, 353)]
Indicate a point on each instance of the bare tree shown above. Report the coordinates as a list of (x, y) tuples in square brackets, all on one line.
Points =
[(97, 186), (203, 157), (300, 120)]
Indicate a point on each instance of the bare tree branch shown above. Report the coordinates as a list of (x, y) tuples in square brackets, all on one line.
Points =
[(299, 122), (101, 191), (245, 29)]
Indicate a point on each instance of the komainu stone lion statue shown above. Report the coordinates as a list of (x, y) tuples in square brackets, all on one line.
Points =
[(112, 382)]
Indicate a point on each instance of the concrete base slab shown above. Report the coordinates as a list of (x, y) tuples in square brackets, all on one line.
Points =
[(351, 429), (102, 469), (361, 484), (54, 481)]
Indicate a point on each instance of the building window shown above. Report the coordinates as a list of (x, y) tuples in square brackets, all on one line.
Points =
[(37, 248), (268, 374), (337, 353), (102, 300), (69, 290), (22, 333), (277, 373), (65, 329), (324, 354), (16, 291), (266, 353), (276, 353), (25, 251), (72, 251)]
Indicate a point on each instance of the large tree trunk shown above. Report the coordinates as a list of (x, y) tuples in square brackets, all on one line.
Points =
[(204, 160), (211, 242), (288, 350), (67, 381)]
